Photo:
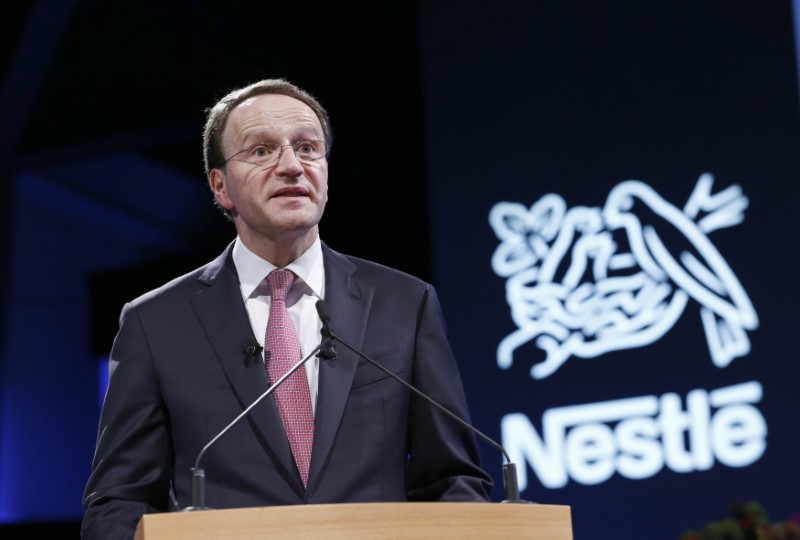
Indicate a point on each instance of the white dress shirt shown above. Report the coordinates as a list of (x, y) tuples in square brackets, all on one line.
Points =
[(309, 286)]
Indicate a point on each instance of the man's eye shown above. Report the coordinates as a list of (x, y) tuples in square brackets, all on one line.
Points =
[(260, 150), (304, 148)]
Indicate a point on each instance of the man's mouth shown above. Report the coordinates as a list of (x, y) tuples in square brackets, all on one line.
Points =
[(290, 193)]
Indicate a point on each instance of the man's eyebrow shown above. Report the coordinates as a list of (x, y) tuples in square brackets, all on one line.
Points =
[(267, 135), (259, 135)]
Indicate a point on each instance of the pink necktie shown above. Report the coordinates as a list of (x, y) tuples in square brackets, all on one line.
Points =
[(281, 352)]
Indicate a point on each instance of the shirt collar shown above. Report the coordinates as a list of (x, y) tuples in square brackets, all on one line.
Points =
[(252, 269)]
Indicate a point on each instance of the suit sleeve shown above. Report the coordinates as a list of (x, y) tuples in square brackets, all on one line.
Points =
[(130, 470), (444, 462)]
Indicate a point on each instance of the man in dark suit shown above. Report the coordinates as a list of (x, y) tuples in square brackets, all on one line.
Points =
[(187, 358)]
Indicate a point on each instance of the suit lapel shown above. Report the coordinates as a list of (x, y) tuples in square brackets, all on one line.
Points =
[(348, 302), (222, 314)]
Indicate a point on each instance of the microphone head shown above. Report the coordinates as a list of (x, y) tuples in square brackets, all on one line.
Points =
[(251, 348), (325, 317), (322, 311), (328, 353)]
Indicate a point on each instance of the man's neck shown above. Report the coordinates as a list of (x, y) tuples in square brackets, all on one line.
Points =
[(283, 249)]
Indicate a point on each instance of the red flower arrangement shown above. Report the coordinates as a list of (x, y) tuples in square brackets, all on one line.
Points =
[(748, 521)]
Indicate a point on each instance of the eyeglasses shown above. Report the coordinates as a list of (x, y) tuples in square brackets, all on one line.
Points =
[(268, 153)]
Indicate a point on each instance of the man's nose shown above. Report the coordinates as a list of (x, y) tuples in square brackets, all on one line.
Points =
[(287, 161)]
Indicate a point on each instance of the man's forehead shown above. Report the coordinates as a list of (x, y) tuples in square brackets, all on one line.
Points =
[(268, 111), (277, 104)]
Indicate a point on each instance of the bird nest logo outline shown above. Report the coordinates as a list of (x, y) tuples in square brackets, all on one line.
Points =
[(585, 281)]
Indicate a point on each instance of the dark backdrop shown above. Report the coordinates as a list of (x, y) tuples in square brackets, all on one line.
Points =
[(102, 111), (645, 431)]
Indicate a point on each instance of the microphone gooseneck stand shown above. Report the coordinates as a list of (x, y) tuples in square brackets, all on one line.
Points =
[(509, 468), (198, 474)]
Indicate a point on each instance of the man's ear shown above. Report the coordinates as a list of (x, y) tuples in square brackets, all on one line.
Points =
[(218, 183)]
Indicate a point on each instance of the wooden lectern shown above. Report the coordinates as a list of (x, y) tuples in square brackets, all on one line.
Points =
[(380, 521)]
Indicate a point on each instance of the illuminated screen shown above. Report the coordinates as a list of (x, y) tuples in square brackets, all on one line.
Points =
[(613, 199)]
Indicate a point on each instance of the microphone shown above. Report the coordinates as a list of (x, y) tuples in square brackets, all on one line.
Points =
[(250, 349), (509, 468), (328, 353)]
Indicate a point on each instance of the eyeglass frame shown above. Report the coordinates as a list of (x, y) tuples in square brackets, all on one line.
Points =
[(280, 148)]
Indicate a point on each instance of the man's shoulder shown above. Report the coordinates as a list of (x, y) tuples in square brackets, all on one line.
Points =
[(180, 285), (369, 270), (190, 283)]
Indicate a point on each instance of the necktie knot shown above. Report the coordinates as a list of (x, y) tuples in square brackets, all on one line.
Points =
[(280, 280)]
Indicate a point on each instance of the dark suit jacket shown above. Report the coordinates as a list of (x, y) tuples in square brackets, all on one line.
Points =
[(180, 376)]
